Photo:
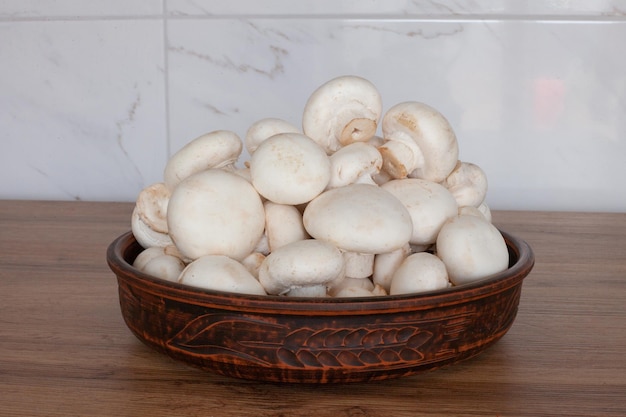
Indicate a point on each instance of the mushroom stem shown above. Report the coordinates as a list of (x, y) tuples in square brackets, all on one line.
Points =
[(358, 129), (398, 158), (358, 265), (386, 264)]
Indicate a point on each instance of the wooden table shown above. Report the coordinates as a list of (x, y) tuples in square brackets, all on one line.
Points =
[(65, 350)]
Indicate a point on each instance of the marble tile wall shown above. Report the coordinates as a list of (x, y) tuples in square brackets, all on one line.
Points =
[(94, 96)]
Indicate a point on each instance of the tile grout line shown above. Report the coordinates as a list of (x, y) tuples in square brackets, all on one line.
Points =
[(166, 81), (452, 17)]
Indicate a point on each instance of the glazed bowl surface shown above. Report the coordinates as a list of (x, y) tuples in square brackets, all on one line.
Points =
[(318, 340)]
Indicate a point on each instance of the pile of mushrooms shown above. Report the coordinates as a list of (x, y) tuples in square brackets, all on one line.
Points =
[(329, 210)]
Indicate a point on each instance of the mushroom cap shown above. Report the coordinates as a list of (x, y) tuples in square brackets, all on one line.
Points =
[(360, 218), (145, 235), (215, 212), (216, 149), (220, 273), (419, 272), (343, 110), (152, 206), (167, 267), (146, 255), (305, 263), (414, 123), (429, 204), (468, 184), (355, 162), (471, 248), (289, 168), (265, 128)]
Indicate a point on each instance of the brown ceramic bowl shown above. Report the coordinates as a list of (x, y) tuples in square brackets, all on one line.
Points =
[(308, 340)]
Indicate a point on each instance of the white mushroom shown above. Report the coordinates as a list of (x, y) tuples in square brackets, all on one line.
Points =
[(283, 225), (471, 248), (468, 184), (146, 255), (306, 267), (386, 264), (354, 163), (429, 204), (145, 235), (151, 206), (218, 149), (289, 168), (265, 128), (419, 272), (361, 218), (166, 267), (419, 142), (220, 273), (215, 212), (343, 110)]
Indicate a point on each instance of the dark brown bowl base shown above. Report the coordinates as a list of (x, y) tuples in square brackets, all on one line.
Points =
[(280, 339)]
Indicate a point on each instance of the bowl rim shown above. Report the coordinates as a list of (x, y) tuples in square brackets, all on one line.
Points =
[(125, 244)]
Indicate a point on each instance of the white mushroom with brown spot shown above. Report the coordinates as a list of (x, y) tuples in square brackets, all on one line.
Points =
[(344, 110), (302, 268), (220, 273), (217, 149), (419, 272), (471, 248), (215, 212), (289, 168), (419, 142)]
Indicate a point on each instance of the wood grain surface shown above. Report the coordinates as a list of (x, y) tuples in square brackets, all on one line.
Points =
[(65, 350)]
